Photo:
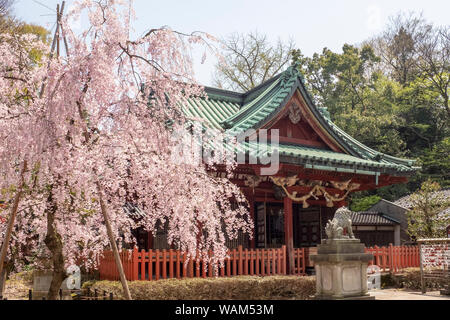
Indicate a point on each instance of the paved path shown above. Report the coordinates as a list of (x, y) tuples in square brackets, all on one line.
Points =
[(401, 294)]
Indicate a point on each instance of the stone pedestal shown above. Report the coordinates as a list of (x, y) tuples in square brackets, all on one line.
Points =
[(41, 285), (341, 270)]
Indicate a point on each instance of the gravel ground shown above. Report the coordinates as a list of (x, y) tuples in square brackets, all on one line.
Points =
[(403, 294)]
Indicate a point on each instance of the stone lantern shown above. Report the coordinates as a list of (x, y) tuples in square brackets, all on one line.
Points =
[(341, 263)]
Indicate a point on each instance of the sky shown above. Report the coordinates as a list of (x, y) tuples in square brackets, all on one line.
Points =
[(312, 25)]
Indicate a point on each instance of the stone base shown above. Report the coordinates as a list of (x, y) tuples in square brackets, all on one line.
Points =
[(43, 279), (348, 298), (42, 295), (341, 270), (365, 297)]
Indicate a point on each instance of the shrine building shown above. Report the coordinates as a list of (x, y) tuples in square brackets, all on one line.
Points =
[(319, 164)]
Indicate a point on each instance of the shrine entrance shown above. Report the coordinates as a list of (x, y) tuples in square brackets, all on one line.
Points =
[(269, 225), (308, 224)]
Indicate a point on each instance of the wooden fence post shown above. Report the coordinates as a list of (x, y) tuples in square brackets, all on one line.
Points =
[(135, 261), (164, 264), (263, 262), (171, 275), (391, 258), (178, 269), (157, 271), (375, 254), (303, 261), (240, 263), (233, 257), (274, 261), (184, 265), (257, 262), (246, 262), (150, 264), (252, 260)]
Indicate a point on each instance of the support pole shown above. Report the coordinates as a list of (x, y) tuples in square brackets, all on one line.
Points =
[(288, 234), (55, 42), (113, 244)]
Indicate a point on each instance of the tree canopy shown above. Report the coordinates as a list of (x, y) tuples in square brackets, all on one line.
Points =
[(249, 60), (87, 132)]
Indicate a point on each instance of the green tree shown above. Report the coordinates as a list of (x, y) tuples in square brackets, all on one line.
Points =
[(365, 203), (436, 163), (426, 218), (361, 100), (391, 93)]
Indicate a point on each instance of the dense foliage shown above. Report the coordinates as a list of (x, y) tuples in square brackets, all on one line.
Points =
[(391, 93)]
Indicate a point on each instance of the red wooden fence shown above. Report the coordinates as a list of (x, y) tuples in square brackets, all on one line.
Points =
[(395, 258), (164, 264)]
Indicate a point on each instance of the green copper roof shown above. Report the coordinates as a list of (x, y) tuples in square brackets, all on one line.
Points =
[(238, 112), (212, 111), (315, 158)]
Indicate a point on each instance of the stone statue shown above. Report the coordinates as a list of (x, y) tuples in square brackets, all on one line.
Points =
[(341, 221), (341, 262)]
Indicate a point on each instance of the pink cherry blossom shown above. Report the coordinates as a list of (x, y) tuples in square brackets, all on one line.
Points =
[(103, 118)]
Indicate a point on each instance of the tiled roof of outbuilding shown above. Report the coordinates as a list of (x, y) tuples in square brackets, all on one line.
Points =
[(371, 219)]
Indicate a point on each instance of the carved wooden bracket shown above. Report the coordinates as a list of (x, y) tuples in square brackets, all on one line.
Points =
[(316, 191), (253, 181)]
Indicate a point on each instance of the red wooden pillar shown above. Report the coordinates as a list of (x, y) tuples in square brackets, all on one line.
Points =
[(149, 241), (289, 234)]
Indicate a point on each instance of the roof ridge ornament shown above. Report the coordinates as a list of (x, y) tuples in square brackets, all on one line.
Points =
[(324, 112), (290, 73)]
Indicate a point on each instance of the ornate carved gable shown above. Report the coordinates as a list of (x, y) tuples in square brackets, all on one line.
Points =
[(297, 126)]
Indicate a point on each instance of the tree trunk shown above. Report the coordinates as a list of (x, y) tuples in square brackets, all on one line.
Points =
[(12, 218), (54, 244), (3, 282)]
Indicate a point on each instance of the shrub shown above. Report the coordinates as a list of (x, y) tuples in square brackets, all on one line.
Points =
[(17, 286), (410, 279), (236, 288)]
